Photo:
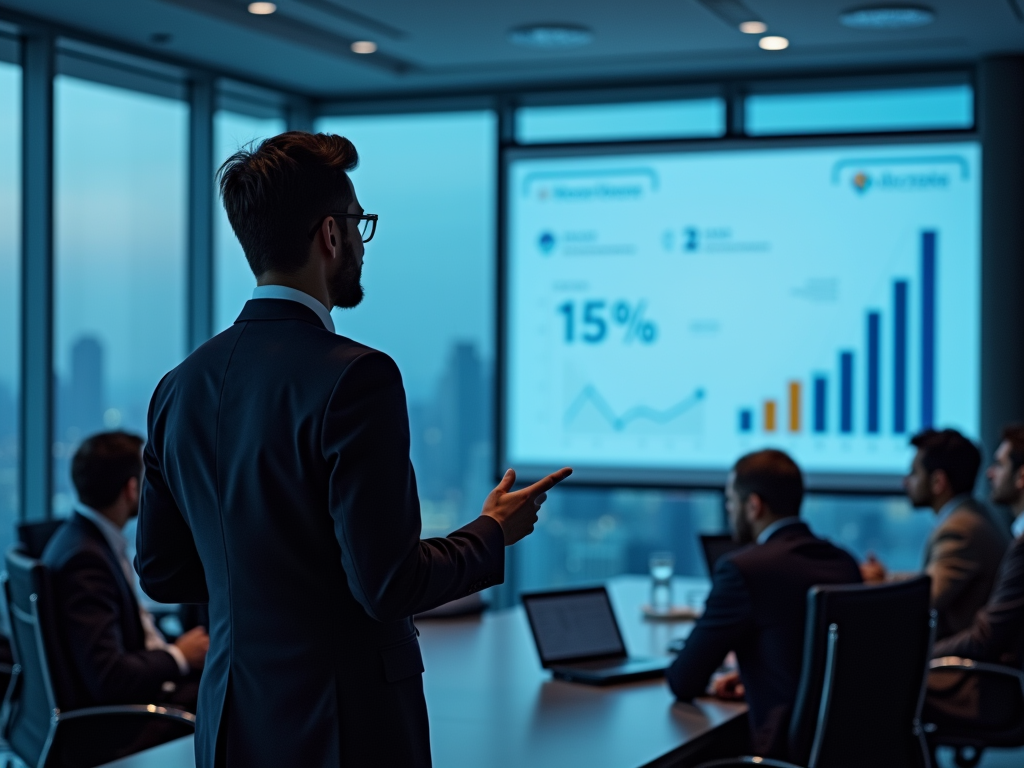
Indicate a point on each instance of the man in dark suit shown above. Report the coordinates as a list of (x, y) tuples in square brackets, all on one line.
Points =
[(758, 601), (115, 652), (996, 635), (963, 551), (278, 488)]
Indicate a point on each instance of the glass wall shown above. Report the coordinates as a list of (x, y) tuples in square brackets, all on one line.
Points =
[(233, 282), (120, 259), (10, 295), (621, 122)]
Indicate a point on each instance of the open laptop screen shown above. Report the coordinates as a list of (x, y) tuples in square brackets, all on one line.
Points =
[(573, 625)]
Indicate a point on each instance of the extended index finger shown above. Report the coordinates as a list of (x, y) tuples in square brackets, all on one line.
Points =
[(546, 484)]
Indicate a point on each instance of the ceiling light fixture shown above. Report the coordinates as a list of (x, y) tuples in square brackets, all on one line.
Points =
[(363, 46), (773, 43), (551, 36), (890, 17), (753, 27), (262, 9)]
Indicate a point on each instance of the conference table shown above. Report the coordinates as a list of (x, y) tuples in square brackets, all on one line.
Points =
[(491, 704)]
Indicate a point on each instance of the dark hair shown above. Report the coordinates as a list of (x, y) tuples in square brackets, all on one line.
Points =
[(276, 191), (1014, 435), (773, 476), (103, 464), (951, 452)]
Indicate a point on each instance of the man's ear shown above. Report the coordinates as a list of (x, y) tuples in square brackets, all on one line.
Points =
[(753, 508), (1018, 478), (938, 481), (131, 490)]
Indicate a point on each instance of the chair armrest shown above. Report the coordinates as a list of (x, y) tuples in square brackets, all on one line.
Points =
[(956, 663), (168, 713), (737, 762)]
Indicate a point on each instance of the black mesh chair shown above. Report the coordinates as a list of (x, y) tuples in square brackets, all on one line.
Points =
[(862, 686), (35, 536), (40, 728), (1000, 692)]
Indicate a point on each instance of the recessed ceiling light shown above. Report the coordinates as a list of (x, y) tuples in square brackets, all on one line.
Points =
[(262, 9), (753, 27), (773, 43), (891, 17), (363, 46), (551, 36)]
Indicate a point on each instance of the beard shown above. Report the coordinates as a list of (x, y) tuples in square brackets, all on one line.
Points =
[(346, 285)]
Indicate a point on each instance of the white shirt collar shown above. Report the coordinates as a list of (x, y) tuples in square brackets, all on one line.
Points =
[(291, 294), (782, 522), (1018, 526), (115, 539)]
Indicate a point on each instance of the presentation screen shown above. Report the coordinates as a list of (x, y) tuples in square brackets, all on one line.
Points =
[(667, 310)]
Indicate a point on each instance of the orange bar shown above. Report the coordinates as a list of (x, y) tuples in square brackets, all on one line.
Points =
[(769, 415), (794, 406)]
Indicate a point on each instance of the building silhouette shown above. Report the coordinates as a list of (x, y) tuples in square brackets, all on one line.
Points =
[(85, 396)]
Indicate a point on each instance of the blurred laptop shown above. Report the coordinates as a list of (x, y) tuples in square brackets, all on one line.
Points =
[(578, 638), (715, 546)]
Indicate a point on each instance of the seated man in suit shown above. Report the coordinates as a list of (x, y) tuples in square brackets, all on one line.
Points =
[(963, 551), (758, 599), (996, 635), (114, 651)]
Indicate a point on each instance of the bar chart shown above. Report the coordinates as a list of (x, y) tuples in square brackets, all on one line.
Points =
[(845, 365)]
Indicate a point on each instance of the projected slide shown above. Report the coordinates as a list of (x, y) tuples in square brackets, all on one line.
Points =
[(666, 313)]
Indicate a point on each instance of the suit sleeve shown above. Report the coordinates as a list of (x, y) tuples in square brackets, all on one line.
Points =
[(953, 560), (728, 616), (998, 628), (373, 501), (90, 614), (166, 559)]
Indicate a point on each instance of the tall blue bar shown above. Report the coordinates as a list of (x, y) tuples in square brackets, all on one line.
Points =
[(746, 420), (874, 385), (927, 329), (846, 392), (899, 362), (820, 404)]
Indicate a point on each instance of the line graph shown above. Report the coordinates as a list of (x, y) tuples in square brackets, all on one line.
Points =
[(590, 395)]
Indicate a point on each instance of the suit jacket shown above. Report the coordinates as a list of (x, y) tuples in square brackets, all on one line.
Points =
[(962, 556), (278, 487), (98, 622), (757, 608)]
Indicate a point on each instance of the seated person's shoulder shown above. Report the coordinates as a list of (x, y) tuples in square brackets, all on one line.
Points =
[(971, 520), (71, 547)]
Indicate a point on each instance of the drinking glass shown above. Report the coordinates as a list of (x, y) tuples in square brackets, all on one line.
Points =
[(662, 565)]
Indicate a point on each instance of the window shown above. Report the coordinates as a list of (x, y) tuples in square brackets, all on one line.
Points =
[(120, 259), (429, 281), (233, 281), (10, 297), (621, 122), (906, 109)]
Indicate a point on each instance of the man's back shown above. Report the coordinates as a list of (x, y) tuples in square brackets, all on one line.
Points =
[(962, 556), (757, 608), (280, 443)]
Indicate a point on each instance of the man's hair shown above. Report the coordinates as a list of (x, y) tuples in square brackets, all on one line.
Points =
[(773, 476), (1014, 435), (278, 190), (103, 464), (951, 452)]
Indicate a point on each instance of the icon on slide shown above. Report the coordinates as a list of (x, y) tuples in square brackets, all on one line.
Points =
[(861, 181), (546, 243)]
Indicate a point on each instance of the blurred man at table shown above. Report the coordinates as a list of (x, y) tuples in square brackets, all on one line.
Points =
[(758, 599), (963, 552)]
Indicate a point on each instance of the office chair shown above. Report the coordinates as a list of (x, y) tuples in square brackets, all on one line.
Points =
[(40, 721), (34, 536), (1003, 726), (866, 653)]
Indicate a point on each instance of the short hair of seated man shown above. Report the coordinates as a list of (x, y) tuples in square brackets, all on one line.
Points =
[(106, 470), (762, 488)]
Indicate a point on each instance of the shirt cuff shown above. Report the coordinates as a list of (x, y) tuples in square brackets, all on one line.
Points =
[(179, 659)]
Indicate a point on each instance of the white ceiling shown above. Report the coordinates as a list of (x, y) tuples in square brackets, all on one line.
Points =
[(461, 46)]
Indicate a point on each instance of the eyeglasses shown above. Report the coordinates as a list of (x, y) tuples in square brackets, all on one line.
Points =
[(366, 222)]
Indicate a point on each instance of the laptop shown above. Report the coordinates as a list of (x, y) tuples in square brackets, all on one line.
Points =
[(715, 546), (578, 638)]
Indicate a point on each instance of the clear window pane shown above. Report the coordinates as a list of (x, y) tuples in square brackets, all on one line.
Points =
[(120, 259), (233, 280), (618, 122), (429, 281), (10, 296), (907, 109)]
